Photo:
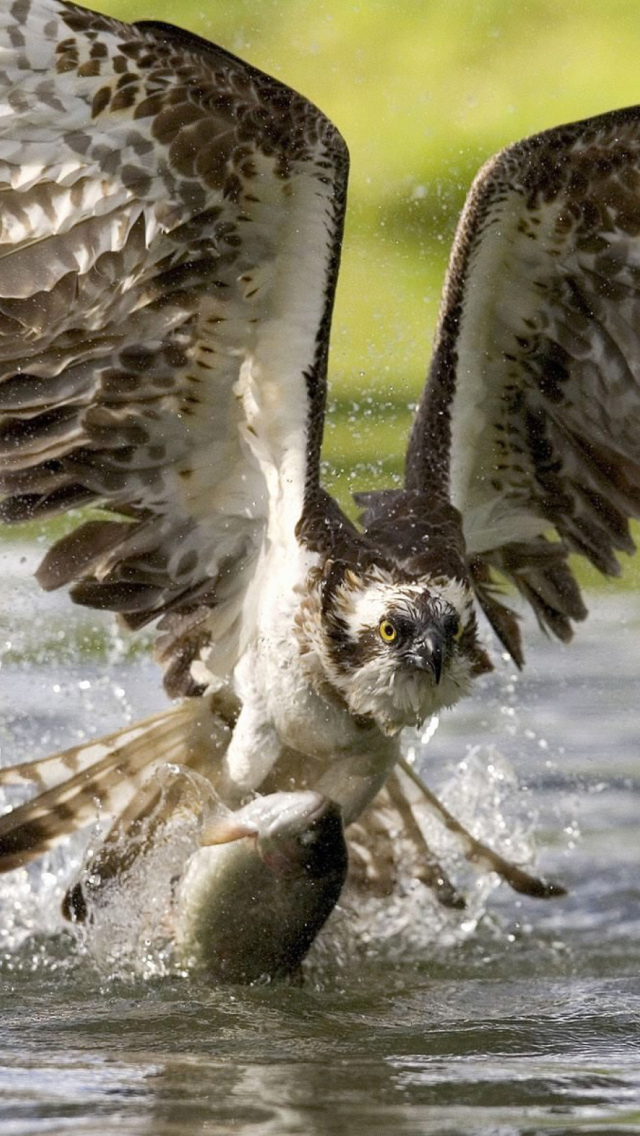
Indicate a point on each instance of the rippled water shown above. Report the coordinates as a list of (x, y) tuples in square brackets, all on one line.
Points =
[(514, 1017)]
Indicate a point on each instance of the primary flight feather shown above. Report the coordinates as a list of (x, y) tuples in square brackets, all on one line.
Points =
[(171, 230)]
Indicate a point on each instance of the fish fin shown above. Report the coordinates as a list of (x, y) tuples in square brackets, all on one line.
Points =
[(225, 829)]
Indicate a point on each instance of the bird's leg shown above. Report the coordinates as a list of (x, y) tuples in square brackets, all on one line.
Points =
[(430, 872), (353, 781), (478, 853), (252, 754)]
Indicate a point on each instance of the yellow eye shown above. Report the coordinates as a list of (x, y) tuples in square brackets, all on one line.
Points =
[(457, 635), (387, 631)]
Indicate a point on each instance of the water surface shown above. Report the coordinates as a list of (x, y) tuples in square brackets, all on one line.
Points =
[(514, 1017)]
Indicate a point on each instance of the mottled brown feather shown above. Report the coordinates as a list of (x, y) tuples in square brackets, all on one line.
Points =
[(531, 414), (135, 283)]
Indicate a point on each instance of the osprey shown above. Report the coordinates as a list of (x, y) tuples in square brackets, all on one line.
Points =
[(171, 230)]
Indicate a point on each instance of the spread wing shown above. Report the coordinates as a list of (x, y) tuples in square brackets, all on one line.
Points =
[(531, 415), (170, 237)]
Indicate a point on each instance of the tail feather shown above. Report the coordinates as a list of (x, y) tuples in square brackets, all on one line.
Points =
[(106, 776)]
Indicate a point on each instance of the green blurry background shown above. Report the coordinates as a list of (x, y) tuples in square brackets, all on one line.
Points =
[(423, 91)]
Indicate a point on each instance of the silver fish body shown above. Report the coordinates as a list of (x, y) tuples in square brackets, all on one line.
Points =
[(250, 908)]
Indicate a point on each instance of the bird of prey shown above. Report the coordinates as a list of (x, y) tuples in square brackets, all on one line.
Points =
[(171, 230)]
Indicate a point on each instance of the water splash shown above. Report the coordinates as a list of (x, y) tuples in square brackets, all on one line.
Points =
[(131, 929), (411, 924)]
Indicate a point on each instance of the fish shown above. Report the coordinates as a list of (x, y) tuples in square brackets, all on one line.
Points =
[(261, 886)]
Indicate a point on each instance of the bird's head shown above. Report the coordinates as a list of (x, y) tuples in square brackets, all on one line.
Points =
[(398, 649)]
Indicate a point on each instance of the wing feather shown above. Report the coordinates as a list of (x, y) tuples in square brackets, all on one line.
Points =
[(111, 776), (531, 415), (170, 236)]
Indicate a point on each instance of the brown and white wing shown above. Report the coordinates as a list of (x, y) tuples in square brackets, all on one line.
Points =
[(531, 415), (116, 777), (171, 222)]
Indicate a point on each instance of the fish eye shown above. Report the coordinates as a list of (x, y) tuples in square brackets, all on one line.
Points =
[(388, 633)]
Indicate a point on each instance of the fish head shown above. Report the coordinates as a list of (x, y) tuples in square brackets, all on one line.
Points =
[(301, 834), (296, 833)]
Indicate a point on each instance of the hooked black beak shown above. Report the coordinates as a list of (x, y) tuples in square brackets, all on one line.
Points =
[(428, 654)]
